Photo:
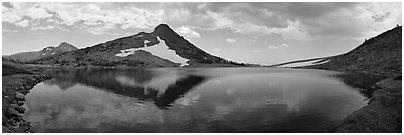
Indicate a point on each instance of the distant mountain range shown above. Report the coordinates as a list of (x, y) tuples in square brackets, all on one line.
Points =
[(46, 52), (165, 48), (381, 55), (161, 48)]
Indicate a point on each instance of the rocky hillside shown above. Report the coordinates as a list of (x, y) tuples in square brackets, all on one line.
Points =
[(161, 48), (378, 55), (46, 52), (183, 47)]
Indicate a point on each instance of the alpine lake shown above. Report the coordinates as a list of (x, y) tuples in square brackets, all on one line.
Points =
[(196, 100)]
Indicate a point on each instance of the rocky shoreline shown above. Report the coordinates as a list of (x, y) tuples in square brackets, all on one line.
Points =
[(381, 115), (14, 89)]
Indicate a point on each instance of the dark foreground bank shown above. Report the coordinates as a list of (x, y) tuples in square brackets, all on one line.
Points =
[(17, 82), (382, 115), (15, 87)]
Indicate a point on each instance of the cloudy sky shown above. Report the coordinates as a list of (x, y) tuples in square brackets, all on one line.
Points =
[(242, 32)]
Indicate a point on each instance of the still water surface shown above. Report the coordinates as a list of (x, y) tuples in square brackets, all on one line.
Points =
[(195, 100)]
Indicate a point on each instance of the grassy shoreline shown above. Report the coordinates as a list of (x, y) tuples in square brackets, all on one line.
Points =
[(15, 87), (381, 115)]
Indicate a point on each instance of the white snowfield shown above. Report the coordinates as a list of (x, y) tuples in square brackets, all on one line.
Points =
[(146, 41), (160, 50), (307, 63)]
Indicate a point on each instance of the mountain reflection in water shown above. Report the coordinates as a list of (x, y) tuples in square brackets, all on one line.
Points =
[(142, 84), (194, 100)]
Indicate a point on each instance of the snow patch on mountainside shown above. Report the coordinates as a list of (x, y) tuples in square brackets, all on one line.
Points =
[(127, 52), (322, 62), (306, 63), (161, 50), (146, 41)]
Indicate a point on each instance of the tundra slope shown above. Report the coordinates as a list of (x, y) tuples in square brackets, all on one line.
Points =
[(378, 55)]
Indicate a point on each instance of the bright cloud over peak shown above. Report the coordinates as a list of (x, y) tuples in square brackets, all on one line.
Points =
[(187, 32)]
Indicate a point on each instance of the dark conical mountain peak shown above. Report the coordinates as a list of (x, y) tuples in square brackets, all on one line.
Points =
[(163, 30), (64, 46), (162, 27), (184, 48)]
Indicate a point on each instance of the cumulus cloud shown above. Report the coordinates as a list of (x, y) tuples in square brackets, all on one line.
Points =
[(230, 40), (187, 32), (10, 16), (294, 21), (48, 27), (82, 15), (36, 12), (22, 23), (221, 21), (272, 47), (284, 45), (297, 21)]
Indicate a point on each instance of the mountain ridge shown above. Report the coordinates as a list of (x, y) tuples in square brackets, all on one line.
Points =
[(45, 52), (140, 50)]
